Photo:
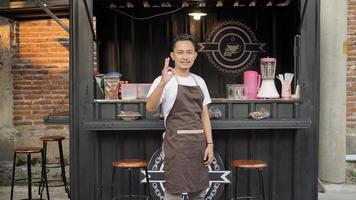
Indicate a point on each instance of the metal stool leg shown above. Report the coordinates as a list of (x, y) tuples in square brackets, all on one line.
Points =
[(236, 183), (130, 193), (148, 183), (29, 176), (63, 167), (40, 188), (44, 149), (112, 182), (262, 189), (13, 177), (44, 175)]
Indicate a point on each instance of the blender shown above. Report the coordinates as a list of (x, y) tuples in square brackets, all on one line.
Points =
[(268, 70)]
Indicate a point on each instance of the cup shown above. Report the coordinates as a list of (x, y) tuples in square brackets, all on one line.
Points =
[(235, 91), (286, 91)]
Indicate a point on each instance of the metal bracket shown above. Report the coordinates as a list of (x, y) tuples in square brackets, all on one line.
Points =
[(90, 19), (297, 46), (296, 60), (302, 18), (42, 5)]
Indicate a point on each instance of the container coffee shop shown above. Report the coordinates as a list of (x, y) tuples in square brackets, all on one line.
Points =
[(132, 37)]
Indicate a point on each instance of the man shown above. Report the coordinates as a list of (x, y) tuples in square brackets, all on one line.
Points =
[(187, 142)]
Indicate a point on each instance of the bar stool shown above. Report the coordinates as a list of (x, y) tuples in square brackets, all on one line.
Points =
[(58, 139), (249, 164), (129, 164), (28, 151)]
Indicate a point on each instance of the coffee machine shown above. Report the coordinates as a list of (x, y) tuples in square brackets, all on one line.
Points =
[(268, 70)]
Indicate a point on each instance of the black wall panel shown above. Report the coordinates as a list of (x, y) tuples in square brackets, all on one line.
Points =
[(276, 147)]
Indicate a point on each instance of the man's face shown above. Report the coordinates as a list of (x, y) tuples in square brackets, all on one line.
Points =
[(184, 54)]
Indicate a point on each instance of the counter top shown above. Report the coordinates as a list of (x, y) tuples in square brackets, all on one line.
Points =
[(216, 124), (284, 114), (214, 100)]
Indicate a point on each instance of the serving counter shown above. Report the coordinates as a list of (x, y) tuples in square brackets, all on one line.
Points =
[(234, 115), (235, 135)]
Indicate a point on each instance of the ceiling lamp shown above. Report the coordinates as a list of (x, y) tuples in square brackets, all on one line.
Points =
[(197, 15)]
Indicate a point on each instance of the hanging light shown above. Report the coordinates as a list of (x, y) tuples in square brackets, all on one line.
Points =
[(197, 14)]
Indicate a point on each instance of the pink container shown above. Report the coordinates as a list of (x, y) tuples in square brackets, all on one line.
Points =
[(252, 82), (142, 90), (129, 91)]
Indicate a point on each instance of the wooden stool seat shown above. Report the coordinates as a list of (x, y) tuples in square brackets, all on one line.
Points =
[(52, 138), (130, 163), (28, 150), (251, 164)]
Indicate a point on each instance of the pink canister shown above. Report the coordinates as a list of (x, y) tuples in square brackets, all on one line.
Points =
[(252, 82)]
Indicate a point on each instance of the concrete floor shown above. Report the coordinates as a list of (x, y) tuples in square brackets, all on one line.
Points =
[(20, 192), (333, 192), (338, 192)]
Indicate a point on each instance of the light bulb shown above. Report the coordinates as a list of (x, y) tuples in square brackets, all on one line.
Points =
[(197, 15)]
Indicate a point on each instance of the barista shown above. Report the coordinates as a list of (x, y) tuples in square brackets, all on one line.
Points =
[(187, 141)]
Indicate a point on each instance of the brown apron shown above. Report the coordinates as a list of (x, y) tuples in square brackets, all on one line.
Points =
[(184, 143)]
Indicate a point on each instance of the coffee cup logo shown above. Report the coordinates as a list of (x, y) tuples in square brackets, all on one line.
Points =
[(218, 177), (231, 47)]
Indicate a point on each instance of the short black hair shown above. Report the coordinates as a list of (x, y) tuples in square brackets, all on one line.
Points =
[(183, 37)]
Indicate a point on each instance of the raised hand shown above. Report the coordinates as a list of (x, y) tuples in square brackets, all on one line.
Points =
[(167, 72)]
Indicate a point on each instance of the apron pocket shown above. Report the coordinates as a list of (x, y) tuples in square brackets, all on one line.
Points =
[(196, 135), (195, 131)]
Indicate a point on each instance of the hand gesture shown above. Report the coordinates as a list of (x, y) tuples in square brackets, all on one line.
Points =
[(167, 71)]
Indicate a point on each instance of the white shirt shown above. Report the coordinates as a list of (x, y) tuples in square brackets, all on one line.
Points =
[(170, 90)]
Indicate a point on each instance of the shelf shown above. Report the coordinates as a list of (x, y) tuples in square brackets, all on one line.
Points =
[(57, 118), (216, 124), (230, 109), (284, 114)]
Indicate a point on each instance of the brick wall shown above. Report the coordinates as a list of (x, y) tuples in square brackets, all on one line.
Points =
[(40, 80), (40, 83), (40, 71), (351, 79)]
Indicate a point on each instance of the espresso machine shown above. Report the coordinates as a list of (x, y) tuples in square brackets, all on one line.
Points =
[(268, 70)]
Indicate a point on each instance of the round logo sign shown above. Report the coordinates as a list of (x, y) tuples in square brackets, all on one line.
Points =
[(231, 47), (218, 176)]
